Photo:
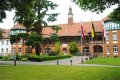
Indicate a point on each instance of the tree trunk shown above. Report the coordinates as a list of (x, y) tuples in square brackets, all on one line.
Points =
[(38, 31), (38, 49)]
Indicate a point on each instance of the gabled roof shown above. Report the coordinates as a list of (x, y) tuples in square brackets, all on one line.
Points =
[(6, 33), (18, 26), (74, 29), (106, 19)]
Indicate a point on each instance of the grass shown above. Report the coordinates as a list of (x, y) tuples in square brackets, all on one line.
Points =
[(106, 61), (58, 73)]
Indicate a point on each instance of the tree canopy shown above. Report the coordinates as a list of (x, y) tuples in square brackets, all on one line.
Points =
[(34, 15), (99, 6)]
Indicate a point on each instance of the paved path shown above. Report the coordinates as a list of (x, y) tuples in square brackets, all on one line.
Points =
[(76, 60)]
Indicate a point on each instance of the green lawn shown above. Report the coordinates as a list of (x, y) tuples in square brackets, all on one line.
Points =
[(108, 61), (58, 73)]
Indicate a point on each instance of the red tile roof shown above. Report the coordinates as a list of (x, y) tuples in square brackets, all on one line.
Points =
[(18, 26), (74, 29)]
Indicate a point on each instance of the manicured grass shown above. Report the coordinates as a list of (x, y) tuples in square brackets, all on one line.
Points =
[(58, 73), (108, 61)]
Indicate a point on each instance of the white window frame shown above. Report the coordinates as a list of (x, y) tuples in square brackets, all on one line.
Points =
[(6, 50), (2, 42), (107, 36), (114, 36), (47, 50), (2, 50), (7, 42), (108, 49), (115, 48), (19, 50)]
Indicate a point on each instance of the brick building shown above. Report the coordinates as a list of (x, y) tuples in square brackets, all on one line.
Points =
[(71, 32)]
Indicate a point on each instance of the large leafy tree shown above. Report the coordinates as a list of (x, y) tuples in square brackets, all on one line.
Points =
[(5, 5), (33, 14), (100, 6)]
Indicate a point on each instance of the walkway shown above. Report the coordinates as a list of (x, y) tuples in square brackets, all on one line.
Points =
[(76, 60)]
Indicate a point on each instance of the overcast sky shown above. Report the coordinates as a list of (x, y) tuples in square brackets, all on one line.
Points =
[(63, 17)]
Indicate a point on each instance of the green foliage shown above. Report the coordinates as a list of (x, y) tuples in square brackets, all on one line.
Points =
[(5, 5), (100, 6), (32, 14), (57, 47), (95, 5), (115, 15), (54, 38), (14, 38), (33, 39), (73, 48)]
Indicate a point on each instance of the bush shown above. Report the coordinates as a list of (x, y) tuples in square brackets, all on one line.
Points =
[(45, 58), (0, 57), (4, 58)]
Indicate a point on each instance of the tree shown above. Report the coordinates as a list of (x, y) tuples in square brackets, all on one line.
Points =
[(5, 5), (32, 14), (57, 47), (73, 48), (100, 6), (33, 39), (54, 38)]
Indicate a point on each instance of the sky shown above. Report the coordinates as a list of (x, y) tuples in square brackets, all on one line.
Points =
[(63, 8)]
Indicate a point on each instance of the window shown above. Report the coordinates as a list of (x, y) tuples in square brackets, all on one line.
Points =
[(108, 49), (13, 51), (19, 50), (47, 50), (107, 37), (2, 50), (7, 42), (85, 49), (114, 36), (115, 48), (6, 50), (2, 42)]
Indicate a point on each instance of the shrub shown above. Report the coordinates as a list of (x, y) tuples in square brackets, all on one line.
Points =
[(4, 58), (45, 58), (73, 48)]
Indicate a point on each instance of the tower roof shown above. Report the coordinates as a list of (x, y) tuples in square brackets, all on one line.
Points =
[(70, 11)]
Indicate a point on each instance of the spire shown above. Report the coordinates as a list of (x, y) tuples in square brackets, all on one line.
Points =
[(70, 11), (70, 16)]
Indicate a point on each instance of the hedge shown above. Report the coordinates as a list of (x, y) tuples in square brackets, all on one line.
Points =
[(45, 58)]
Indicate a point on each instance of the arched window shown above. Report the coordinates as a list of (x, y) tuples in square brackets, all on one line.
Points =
[(47, 50)]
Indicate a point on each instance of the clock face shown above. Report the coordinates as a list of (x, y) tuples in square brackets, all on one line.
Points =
[(69, 16)]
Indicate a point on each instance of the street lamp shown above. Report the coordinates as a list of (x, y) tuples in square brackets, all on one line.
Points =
[(17, 29)]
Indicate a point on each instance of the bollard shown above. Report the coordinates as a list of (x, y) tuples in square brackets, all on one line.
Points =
[(57, 62), (71, 62), (14, 62), (82, 60)]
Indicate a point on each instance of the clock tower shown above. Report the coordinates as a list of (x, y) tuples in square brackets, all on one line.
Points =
[(70, 16)]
